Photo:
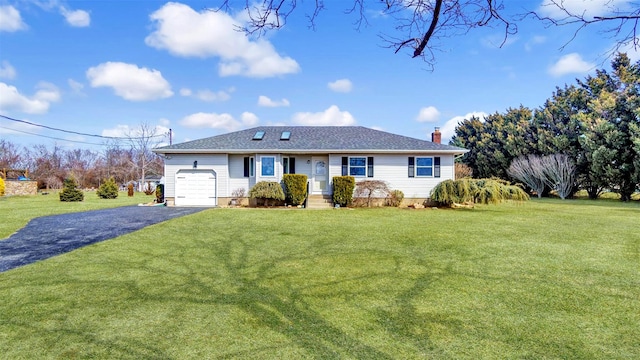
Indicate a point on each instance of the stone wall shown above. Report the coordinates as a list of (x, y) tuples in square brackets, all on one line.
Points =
[(18, 187)]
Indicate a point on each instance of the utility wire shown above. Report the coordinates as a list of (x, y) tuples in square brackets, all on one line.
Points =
[(78, 133), (50, 137)]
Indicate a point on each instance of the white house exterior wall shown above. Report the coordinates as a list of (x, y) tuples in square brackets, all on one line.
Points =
[(216, 162), (393, 168)]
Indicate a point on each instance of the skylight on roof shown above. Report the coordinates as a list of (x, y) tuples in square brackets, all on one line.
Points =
[(258, 135), (286, 135)]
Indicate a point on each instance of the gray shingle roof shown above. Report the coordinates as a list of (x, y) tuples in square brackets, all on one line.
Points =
[(309, 139)]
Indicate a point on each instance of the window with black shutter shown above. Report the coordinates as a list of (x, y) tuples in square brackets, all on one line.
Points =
[(246, 166), (436, 166), (370, 166), (345, 166), (412, 162)]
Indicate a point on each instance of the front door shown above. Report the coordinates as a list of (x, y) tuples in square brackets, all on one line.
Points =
[(320, 174)]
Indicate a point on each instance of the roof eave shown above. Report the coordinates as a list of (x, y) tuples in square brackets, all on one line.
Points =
[(308, 151)]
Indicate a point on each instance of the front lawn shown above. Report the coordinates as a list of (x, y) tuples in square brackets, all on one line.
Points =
[(546, 279)]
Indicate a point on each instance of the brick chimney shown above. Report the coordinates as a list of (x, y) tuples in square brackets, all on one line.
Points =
[(436, 136)]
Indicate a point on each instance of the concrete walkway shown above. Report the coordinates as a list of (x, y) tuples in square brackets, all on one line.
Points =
[(49, 236)]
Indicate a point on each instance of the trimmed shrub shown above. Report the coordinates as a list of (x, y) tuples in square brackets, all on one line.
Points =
[(160, 193), (130, 189), (343, 190), (2, 186), (108, 189), (295, 188), (483, 191), (70, 191), (395, 198), (267, 190)]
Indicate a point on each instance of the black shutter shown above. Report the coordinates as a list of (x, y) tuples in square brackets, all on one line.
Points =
[(246, 166), (436, 166), (370, 166), (412, 162), (345, 166), (292, 165)]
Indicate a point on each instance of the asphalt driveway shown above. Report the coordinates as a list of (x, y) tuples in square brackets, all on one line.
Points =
[(49, 236)]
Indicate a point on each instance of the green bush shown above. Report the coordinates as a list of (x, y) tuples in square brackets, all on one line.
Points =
[(267, 190), (483, 191), (395, 198), (343, 187), (108, 189), (2, 187), (70, 192), (295, 188), (160, 193)]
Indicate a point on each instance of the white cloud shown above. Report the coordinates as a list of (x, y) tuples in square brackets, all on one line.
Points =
[(449, 128), (184, 32), (164, 122), (208, 95), (341, 85), (133, 131), (76, 18), (7, 71), (10, 19), (11, 99), (219, 121), (249, 119), (570, 64), (536, 40), (129, 81), (267, 102), (331, 116), (428, 114), (632, 52), (587, 8), (76, 86)]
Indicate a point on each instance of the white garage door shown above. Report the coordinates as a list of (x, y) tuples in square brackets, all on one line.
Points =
[(196, 188)]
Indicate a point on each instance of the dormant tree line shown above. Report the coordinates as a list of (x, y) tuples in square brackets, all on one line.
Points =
[(585, 137), (51, 165)]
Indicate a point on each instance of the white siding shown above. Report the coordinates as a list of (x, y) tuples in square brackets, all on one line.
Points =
[(393, 168), (236, 175), (216, 162)]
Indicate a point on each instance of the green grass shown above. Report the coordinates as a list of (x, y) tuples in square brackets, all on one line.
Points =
[(545, 279), (16, 211)]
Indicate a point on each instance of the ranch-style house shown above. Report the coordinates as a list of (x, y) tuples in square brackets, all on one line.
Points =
[(206, 172)]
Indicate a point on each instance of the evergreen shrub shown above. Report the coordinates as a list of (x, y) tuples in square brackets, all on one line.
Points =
[(160, 193), (70, 191), (343, 187), (483, 191), (295, 188), (108, 189), (267, 190)]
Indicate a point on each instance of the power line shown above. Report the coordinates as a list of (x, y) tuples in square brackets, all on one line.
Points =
[(78, 133), (50, 137)]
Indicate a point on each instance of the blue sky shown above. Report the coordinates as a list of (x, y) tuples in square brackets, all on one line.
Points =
[(105, 67)]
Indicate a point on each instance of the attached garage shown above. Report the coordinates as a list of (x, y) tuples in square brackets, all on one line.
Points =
[(196, 188)]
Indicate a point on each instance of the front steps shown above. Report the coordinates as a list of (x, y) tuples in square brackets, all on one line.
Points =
[(319, 202)]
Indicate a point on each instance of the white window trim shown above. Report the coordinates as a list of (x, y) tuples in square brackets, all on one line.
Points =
[(365, 166), (262, 166), (415, 166)]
